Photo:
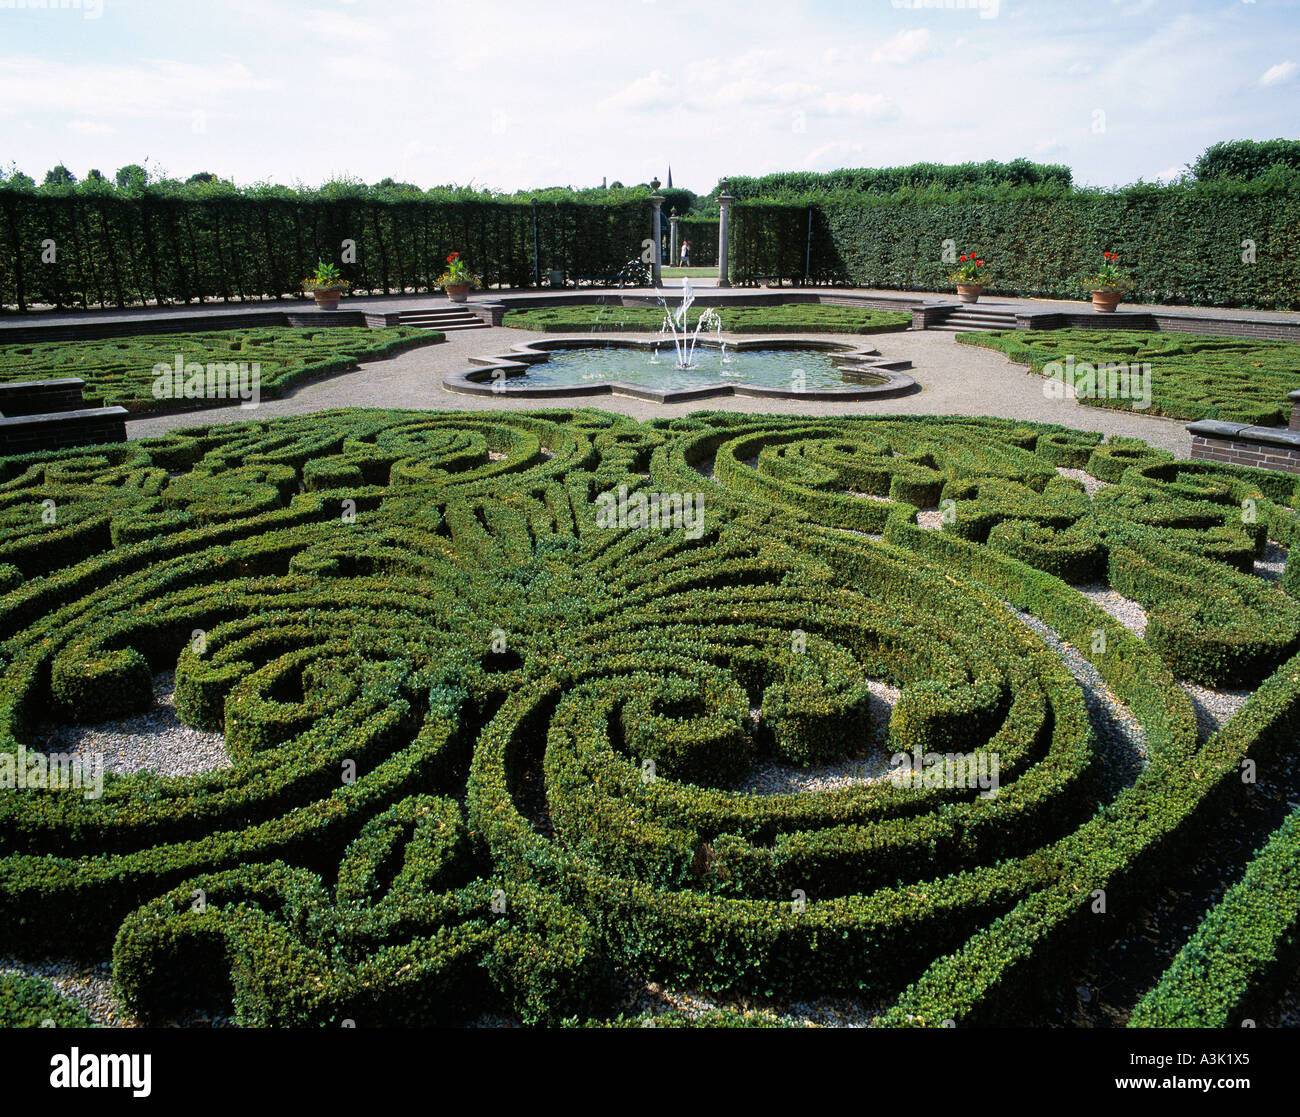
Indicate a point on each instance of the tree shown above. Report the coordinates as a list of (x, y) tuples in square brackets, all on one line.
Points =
[(200, 176), (132, 177), (1245, 159), (59, 175)]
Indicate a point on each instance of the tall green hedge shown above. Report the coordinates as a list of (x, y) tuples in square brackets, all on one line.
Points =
[(1181, 243), (121, 250)]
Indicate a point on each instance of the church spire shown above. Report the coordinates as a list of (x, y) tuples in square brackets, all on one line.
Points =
[(670, 176)]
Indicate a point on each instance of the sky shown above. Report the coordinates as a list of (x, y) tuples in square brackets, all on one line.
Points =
[(516, 94)]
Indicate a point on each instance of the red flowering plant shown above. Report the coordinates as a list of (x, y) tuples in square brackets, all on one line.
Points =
[(457, 274), (1108, 277), (971, 270)]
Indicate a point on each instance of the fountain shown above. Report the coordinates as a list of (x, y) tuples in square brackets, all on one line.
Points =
[(677, 324)]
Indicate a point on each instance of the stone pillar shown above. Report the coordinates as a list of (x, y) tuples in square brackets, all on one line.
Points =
[(724, 222), (674, 250), (657, 270)]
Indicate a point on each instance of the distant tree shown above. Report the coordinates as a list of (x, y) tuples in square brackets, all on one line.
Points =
[(14, 179), (132, 177), (201, 176), (94, 175), (59, 175), (1245, 159)]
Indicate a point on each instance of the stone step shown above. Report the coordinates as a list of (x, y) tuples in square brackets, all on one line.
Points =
[(1007, 321), (448, 327)]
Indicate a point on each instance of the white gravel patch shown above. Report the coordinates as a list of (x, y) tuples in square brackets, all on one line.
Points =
[(770, 776), (154, 741), (929, 519), (1091, 485), (1125, 610), (818, 1012), (1213, 707), (89, 984), (1271, 563), (1121, 739)]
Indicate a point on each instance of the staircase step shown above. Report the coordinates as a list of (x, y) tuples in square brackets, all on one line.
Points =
[(449, 327)]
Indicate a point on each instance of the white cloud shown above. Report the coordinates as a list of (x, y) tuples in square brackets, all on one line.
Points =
[(1079, 68), (1170, 174), (904, 47), (156, 88), (1276, 75), (876, 106), (90, 128), (351, 29), (653, 91), (364, 68)]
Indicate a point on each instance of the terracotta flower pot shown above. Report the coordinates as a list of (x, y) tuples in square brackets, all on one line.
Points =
[(326, 300), (457, 292), (1105, 300), (969, 292)]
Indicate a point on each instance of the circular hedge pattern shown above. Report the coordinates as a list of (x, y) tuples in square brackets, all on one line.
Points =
[(487, 747)]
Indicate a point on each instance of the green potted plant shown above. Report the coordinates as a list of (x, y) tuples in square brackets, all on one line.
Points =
[(969, 277), (326, 285), (457, 281), (1109, 284)]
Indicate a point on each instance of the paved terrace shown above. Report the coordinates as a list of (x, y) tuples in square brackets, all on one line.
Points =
[(954, 379)]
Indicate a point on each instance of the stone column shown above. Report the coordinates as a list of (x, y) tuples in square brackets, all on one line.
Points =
[(657, 200), (724, 222), (674, 251)]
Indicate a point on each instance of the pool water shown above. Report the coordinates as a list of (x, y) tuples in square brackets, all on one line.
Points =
[(768, 368)]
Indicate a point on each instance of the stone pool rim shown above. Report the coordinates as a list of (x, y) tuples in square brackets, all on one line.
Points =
[(476, 381)]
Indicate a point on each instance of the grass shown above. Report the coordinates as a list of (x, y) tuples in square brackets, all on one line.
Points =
[(121, 370), (1235, 379), (791, 318), (690, 273)]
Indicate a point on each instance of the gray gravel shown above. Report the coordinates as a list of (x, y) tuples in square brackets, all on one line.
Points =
[(1125, 610), (1091, 485), (1213, 707), (89, 984), (154, 741), (774, 777), (955, 379), (1121, 739), (1272, 562)]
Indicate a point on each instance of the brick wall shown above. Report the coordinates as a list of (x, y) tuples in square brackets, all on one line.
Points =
[(1241, 444)]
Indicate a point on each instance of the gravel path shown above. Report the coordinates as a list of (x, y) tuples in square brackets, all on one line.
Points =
[(1125, 610), (154, 741), (1271, 563), (89, 984), (1122, 741), (773, 777), (955, 380), (1091, 485)]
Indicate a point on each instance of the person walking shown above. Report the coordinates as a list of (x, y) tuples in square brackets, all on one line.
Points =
[(686, 253)]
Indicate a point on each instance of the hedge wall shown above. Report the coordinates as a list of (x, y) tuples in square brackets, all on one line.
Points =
[(118, 251), (1182, 243)]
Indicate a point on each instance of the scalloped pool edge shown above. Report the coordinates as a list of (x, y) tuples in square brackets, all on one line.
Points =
[(479, 380)]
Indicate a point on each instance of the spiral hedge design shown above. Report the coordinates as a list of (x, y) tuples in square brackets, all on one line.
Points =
[(486, 745)]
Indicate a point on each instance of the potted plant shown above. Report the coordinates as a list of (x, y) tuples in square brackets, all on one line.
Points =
[(457, 281), (1109, 284), (326, 285), (969, 278)]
